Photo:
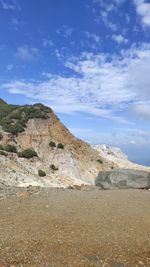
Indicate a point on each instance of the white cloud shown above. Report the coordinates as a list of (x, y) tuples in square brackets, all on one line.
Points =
[(93, 37), (104, 12), (47, 42), (102, 85), (92, 41), (27, 53), (119, 39), (104, 16), (10, 4), (65, 31), (143, 10)]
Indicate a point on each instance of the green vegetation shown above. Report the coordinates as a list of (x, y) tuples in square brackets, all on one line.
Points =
[(61, 146), (100, 161), (1, 147), (10, 148), (53, 167), (1, 136), (27, 153), (3, 153), (13, 118), (52, 144), (41, 173)]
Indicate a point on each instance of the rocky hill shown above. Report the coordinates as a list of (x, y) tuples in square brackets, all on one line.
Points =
[(117, 157), (37, 149)]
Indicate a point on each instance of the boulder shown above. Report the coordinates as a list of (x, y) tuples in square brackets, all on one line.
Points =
[(123, 179)]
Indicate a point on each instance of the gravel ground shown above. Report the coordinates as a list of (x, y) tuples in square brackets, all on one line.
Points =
[(74, 228)]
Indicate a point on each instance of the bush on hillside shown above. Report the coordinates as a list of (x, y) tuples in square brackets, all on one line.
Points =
[(53, 167), (19, 154), (3, 153), (28, 153), (41, 173), (100, 161), (14, 118), (10, 148), (1, 136), (1, 147), (52, 144), (61, 146)]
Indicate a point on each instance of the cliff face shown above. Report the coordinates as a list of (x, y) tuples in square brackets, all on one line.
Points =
[(72, 162)]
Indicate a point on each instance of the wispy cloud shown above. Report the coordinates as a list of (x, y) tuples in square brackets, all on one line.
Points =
[(91, 40), (119, 39), (143, 10), (10, 67), (92, 36), (105, 10), (102, 85), (47, 42), (10, 4), (27, 53), (16, 23), (65, 31), (142, 110)]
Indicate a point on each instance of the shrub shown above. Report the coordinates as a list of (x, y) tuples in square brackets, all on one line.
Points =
[(10, 148), (53, 167), (28, 153), (1, 147), (1, 136), (41, 173), (3, 153), (52, 144), (100, 161), (61, 146), (19, 154)]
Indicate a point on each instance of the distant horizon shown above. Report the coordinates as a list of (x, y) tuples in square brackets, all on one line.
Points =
[(88, 60)]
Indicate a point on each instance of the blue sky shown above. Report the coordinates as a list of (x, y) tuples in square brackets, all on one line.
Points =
[(87, 59)]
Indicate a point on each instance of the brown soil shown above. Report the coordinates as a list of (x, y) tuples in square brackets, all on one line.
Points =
[(72, 228)]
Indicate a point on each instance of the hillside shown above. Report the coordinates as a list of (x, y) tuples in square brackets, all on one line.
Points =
[(36, 148), (117, 157)]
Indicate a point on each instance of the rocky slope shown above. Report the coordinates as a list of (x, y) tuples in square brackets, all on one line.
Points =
[(65, 159), (117, 157), (32, 139)]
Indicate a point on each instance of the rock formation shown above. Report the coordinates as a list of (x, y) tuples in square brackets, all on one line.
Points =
[(117, 157), (123, 179), (37, 149), (65, 159)]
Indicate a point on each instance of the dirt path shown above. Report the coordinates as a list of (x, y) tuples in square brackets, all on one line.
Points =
[(70, 228)]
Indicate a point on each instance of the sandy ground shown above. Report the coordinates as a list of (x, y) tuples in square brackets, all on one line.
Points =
[(75, 228)]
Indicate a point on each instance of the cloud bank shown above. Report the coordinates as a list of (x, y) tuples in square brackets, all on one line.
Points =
[(101, 84)]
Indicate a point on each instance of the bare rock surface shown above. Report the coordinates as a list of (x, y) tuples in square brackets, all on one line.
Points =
[(64, 159), (123, 178), (76, 163)]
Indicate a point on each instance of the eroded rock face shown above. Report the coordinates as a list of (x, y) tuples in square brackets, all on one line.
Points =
[(76, 164), (123, 179)]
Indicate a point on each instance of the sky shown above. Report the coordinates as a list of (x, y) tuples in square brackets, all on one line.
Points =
[(89, 60)]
